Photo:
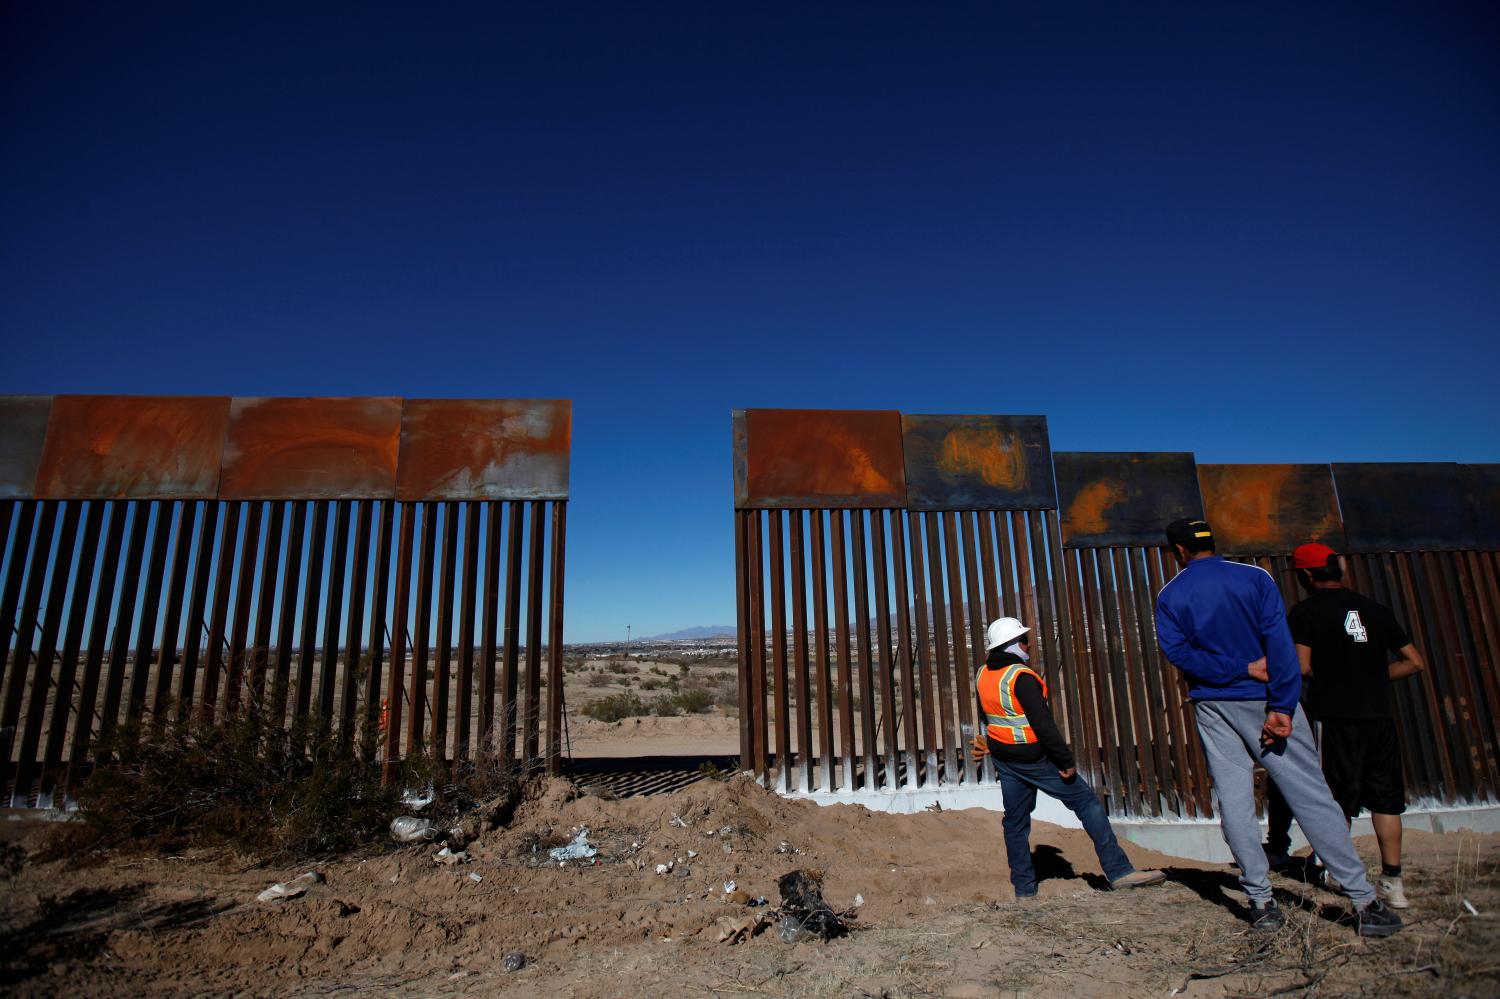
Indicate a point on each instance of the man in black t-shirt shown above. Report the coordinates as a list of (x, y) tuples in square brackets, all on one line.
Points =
[(1346, 642)]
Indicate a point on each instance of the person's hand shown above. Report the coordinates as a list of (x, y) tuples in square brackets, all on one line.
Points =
[(1259, 671), (1068, 773), (1277, 728), (979, 748)]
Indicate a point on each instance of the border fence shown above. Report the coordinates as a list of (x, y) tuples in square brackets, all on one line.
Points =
[(872, 547), (393, 567)]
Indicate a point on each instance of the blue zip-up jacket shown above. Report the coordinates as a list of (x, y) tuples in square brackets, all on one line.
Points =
[(1214, 619)]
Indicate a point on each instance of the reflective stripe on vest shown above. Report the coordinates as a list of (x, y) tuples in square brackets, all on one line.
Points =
[(1005, 719)]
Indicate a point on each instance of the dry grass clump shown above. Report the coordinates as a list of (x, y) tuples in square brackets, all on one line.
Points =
[(257, 786)]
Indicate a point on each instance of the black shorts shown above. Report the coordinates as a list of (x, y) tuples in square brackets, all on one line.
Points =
[(1362, 762)]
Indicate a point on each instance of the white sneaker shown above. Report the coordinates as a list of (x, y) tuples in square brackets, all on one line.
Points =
[(1393, 894)]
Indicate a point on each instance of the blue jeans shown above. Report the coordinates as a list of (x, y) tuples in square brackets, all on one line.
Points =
[(1019, 783)]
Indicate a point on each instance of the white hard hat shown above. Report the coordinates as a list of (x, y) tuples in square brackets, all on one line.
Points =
[(1003, 631)]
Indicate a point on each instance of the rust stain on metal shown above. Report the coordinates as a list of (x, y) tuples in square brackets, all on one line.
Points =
[(823, 458), (1089, 511), (311, 449), (1270, 509), (978, 462), (23, 431), (133, 447), (1113, 499), (484, 449)]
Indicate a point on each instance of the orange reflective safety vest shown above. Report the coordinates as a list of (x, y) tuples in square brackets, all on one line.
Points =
[(1005, 720)]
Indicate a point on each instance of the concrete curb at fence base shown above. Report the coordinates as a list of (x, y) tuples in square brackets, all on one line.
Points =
[(1194, 839)]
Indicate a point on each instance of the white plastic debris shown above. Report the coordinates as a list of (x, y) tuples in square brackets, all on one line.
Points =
[(692, 854), (859, 900), (677, 821), (476, 877), (579, 849), (283, 890), (418, 800), (1470, 907), (729, 886), (450, 857), (663, 868), (410, 829)]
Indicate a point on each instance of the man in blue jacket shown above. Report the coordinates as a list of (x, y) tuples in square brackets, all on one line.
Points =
[(1223, 625)]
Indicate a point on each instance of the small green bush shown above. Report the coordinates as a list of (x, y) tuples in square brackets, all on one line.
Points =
[(615, 707)]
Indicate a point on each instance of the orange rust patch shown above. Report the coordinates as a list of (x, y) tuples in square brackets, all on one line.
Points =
[(1087, 514), (813, 456), (133, 447), (311, 448), (461, 449), (996, 458), (1269, 509)]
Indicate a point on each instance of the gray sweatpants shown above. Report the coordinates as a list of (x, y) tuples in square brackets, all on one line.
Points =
[(1231, 741)]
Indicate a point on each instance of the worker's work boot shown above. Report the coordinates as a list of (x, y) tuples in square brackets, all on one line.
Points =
[(1266, 917), (1138, 879), (1393, 893)]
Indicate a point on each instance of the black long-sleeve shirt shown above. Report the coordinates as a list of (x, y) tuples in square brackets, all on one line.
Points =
[(1050, 742)]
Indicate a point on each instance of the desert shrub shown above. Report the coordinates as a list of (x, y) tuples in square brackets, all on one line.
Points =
[(652, 685), (623, 669), (599, 680), (692, 701), (695, 701), (256, 785), (617, 706)]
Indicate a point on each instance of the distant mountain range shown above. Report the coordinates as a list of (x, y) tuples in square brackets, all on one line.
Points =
[(702, 631)]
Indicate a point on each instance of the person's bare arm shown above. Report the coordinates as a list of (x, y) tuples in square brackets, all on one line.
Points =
[(1304, 656), (1410, 664)]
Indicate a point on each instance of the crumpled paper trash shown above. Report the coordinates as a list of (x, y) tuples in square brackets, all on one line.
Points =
[(579, 849)]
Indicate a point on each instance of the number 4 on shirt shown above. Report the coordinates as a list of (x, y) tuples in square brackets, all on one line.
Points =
[(1355, 628)]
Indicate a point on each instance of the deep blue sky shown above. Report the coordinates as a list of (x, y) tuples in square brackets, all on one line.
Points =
[(1254, 232)]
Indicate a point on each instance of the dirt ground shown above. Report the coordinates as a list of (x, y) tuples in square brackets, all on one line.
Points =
[(937, 916)]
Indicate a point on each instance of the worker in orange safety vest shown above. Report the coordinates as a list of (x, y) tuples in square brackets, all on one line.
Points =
[(1031, 755)]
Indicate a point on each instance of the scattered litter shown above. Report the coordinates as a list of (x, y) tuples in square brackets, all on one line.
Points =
[(283, 890), (514, 961), (785, 847), (859, 901), (1122, 947), (1470, 907), (726, 830), (579, 849), (449, 857), (759, 900), (730, 886), (457, 975), (418, 800), (410, 829), (663, 868), (692, 854), (732, 931), (728, 849), (677, 821), (476, 877), (804, 914)]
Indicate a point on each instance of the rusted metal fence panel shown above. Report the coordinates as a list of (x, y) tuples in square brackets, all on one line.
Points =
[(891, 704), (1120, 499), (1255, 509), (1407, 506), (184, 557)]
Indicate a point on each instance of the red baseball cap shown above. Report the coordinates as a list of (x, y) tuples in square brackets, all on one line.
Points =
[(1313, 556)]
